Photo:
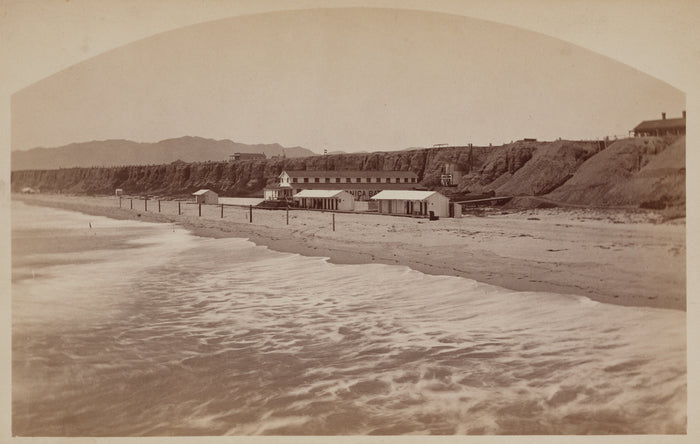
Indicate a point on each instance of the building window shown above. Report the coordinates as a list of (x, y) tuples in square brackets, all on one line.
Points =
[(328, 180), (337, 180), (405, 180), (317, 179), (294, 180), (378, 180), (358, 180), (413, 180), (388, 180), (398, 179), (306, 180), (347, 179)]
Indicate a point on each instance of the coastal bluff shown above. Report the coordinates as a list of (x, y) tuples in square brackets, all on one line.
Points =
[(639, 172)]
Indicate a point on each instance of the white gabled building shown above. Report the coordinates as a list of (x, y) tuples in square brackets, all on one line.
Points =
[(412, 203), (277, 192), (325, 200), (206, 197)]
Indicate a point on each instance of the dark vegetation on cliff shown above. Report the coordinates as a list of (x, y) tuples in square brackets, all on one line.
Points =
[(647, 172)]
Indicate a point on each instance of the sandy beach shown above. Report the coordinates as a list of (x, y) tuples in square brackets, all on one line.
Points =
[(611, 256)]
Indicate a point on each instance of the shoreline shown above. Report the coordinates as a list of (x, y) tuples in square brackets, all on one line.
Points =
[(606, 256)]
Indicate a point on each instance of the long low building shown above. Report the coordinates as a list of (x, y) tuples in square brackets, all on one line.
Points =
[(413, 203), (325, 200), (360, 191), (661, 127), (362, 185)]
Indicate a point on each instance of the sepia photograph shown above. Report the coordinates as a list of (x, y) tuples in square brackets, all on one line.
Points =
[(347, 219)]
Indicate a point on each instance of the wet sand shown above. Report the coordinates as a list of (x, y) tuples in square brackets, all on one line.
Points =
[(610, 256)]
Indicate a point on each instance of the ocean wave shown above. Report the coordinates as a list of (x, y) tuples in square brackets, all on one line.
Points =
[(183, 335)]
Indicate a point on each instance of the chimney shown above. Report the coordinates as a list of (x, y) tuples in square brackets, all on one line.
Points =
[(684, 114), (663, 116)]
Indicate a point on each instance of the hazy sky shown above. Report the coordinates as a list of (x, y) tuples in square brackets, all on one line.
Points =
[(342, 79)]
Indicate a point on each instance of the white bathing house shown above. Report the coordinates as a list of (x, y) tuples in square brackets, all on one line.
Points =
[(412, 203), (326, 200)]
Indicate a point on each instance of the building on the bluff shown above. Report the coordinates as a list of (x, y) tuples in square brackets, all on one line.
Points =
[(661, 127), (235, 157), (362, 185)]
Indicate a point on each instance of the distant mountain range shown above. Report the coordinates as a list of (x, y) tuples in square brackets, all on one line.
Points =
[(127, 152)]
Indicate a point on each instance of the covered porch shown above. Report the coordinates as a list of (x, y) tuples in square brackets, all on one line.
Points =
[(332, 200), (412, 203)]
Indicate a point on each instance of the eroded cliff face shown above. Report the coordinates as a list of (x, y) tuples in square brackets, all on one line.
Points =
[(627, 172), (648, 172), (176, 179)]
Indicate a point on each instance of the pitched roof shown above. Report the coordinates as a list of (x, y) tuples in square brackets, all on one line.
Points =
[(648, 125), (319, 193), (355, 186), (403, 195), (350, 173), (200, 192)]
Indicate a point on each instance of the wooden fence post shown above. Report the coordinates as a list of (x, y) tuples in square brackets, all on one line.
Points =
[(159, 205), (222, 211), (200, 209), (131, 204), (178, 208), (251, 214), (120, 201), (145, 204), (333, 221), (287, 214)]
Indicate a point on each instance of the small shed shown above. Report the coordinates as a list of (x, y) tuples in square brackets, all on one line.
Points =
[(412, 203), (206, 197), (326, 200)]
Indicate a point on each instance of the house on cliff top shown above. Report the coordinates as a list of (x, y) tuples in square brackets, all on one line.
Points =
[(661, 127), (235, 157)]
